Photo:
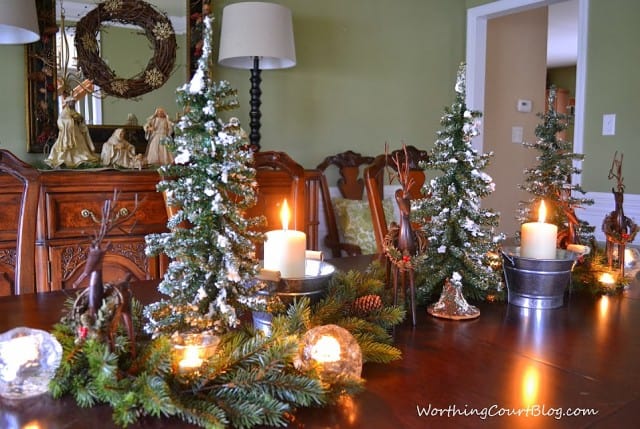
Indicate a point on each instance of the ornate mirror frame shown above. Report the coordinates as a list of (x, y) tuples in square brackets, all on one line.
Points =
[(40, 59)]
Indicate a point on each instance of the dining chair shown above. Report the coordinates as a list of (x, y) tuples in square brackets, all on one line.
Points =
[(351, 190), (19, 201), (374, 176), (279, 177)]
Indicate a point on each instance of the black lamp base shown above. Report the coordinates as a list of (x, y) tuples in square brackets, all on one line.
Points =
[(254, 113)]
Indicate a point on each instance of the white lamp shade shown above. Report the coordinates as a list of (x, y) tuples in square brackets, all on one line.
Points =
[(18, 22), (255, 29)]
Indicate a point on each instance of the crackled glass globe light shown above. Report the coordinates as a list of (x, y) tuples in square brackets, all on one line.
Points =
[(29, 359), (332, 350)]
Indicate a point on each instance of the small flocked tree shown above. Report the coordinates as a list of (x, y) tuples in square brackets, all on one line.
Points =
[(252, 379), (550, 180), (460, 233), (211, 244)]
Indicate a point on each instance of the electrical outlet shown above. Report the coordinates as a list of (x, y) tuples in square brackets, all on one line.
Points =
[(516, 134)]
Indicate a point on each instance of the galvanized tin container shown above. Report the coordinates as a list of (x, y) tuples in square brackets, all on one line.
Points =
[(537, 283), (313, 286)]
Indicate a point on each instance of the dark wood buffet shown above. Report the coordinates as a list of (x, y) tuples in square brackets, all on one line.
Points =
[(69, 209)]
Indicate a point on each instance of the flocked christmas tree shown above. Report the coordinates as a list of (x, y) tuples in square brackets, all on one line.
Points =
[(550, 180), (251, 379), (211, 244), (460, 233)]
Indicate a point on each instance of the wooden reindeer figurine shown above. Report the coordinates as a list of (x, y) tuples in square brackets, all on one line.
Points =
[(99, 308), (618, 228), (402, 235)]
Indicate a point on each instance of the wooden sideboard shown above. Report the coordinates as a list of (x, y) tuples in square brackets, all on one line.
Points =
[(69, 210)]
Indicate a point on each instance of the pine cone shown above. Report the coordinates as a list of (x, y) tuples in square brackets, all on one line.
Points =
[(366, 304)]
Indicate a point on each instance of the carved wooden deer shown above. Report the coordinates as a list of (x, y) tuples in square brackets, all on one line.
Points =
[(91, 300), (403, 236)]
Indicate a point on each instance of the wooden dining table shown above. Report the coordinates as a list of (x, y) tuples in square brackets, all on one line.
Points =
[(577, 366)]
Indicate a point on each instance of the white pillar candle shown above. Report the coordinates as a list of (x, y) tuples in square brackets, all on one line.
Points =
[(284, 250), (538, 239)]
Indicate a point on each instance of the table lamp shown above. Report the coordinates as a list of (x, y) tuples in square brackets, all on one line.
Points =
[(256, 36), (18, 22)]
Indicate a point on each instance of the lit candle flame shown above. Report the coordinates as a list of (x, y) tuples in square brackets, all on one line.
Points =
[(607, 279), (542, 212), (285, 214), (191, 359)]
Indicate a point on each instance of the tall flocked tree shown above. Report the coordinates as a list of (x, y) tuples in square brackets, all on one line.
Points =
[(211, 244), (550, 180), (461, 234)]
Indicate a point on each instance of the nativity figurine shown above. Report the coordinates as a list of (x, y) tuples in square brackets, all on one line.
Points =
[(118, 152), (158, 128), (73, 146)]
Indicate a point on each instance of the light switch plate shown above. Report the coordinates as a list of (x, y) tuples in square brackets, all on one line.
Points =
[(609, 124)]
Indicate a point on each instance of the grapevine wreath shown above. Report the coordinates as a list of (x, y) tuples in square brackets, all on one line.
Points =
[(158, 30)]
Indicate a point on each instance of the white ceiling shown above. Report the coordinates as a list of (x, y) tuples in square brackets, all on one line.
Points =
[(562, 34)]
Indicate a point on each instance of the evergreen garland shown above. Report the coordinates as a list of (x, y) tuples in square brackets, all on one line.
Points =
[(461, 235), (251, 380), (550, 180)]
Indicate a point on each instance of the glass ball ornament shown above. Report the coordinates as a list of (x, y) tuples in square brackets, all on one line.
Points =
[(332, 351)]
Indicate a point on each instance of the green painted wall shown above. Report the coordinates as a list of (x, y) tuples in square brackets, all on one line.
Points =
[(563, 77), (376, 71), (368, 72), (613, 61), (125, 64)]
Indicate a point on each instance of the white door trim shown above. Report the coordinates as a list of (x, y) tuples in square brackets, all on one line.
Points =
[(476, 59)]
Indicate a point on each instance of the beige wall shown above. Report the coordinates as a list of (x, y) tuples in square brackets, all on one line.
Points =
[(516, 69), (368, 72)]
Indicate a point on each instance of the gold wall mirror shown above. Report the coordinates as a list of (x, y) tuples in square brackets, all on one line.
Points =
[(45, 64)]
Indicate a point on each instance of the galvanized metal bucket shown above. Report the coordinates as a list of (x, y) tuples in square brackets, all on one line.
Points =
[(537, 283), (313, 286)]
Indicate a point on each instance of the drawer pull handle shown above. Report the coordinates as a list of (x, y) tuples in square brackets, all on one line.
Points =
[(88, 213)]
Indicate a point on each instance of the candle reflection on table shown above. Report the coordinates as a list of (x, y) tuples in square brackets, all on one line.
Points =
[(530, 386)]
